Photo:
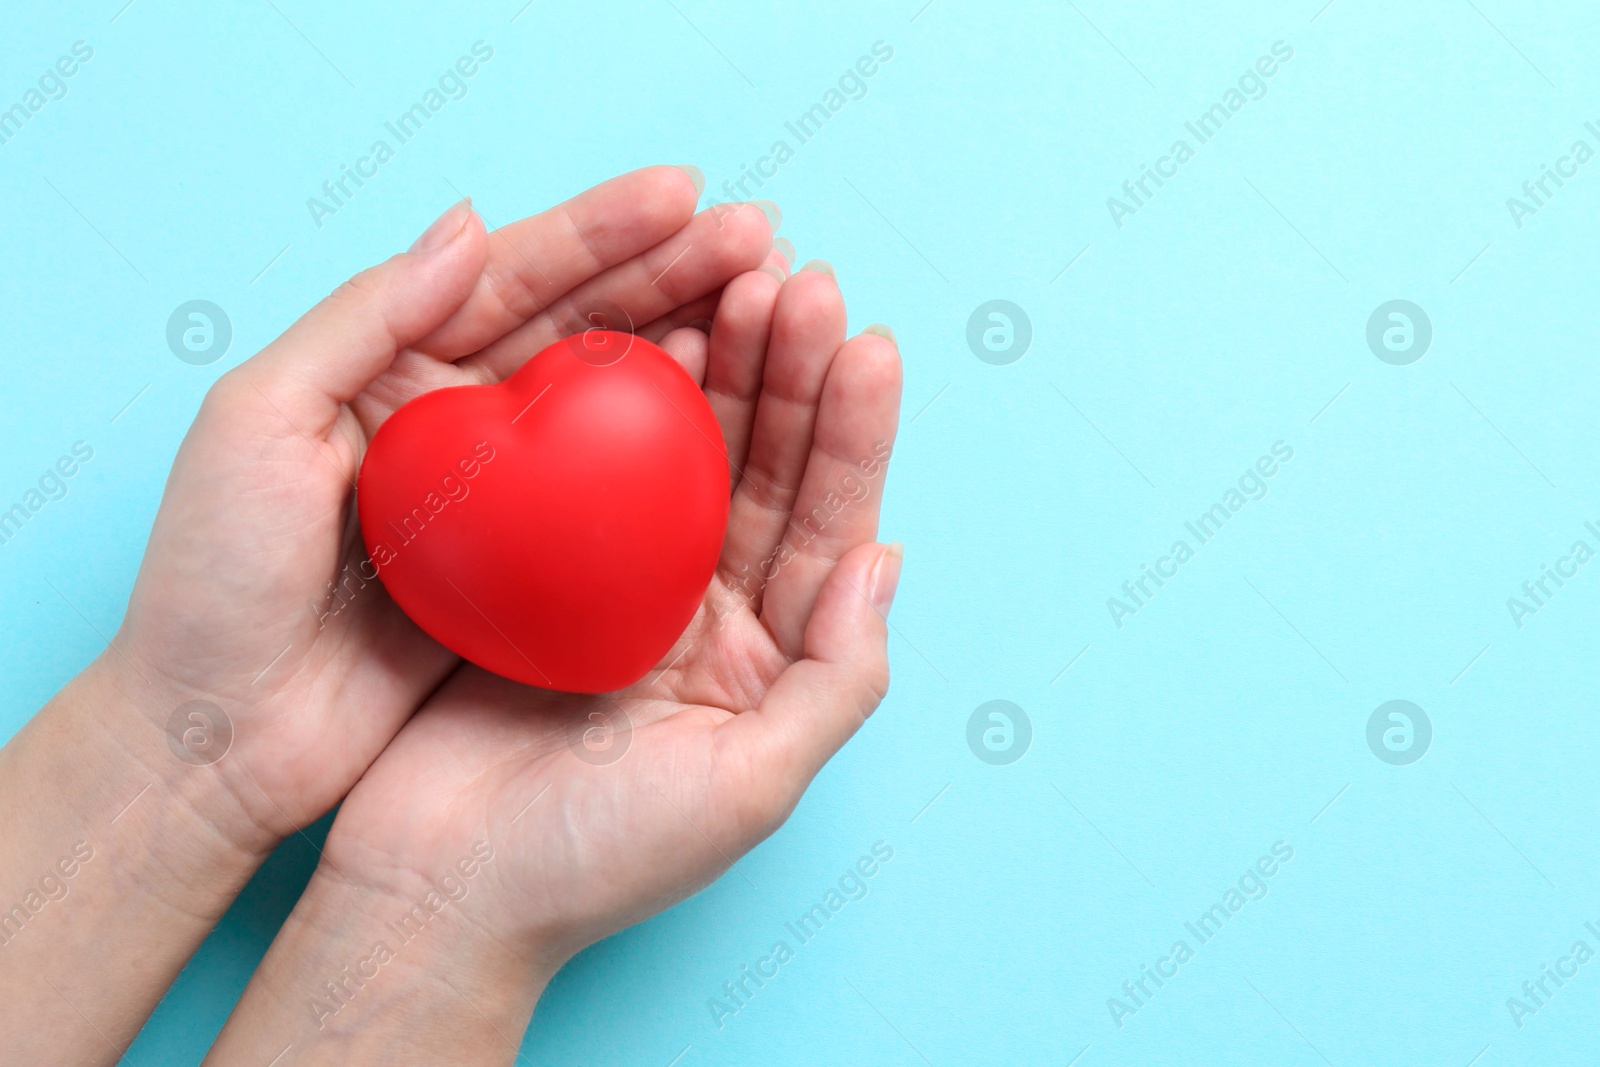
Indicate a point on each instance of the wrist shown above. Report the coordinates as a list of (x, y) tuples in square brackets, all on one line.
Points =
[(174, 748), (110, 871), (408, 973)]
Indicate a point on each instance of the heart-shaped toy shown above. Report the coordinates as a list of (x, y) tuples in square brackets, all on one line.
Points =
[(561, 527)]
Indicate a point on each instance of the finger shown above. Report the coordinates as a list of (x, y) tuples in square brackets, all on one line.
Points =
[(688, 346), (696, 313), (337, 348), (534, 261), (820, 701), (842, 489), (699, 313), (807, 329), (694, 262), (737, 355), (783, 254)]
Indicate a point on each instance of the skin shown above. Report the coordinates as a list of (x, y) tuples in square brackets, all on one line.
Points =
[(231, 606), (767, 683)]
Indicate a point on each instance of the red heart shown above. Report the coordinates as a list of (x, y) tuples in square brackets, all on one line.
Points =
[(558, 528)]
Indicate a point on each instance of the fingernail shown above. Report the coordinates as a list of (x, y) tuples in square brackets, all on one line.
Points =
[(695, 174), (821, 266), (881, 330), (886, 577), (785, 248), (444, 228), (774, 270), (771, 211)]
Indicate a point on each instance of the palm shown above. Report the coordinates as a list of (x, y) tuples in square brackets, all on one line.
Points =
[(255, 573), (603, 809)]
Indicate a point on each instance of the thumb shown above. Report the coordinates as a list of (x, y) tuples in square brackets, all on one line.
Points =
[(338, 347), (820, 701)]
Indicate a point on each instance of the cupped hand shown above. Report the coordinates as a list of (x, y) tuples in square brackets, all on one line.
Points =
[(255, 596), (600, 810)]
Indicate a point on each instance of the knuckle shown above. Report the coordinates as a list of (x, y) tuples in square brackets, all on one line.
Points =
[(768, 492), (358, 289), (770, 792), (769, 810), (874, 685), (227, 395), (513, 290)]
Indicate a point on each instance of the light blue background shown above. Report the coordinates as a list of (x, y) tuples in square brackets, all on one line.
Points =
[(1222, 317)]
